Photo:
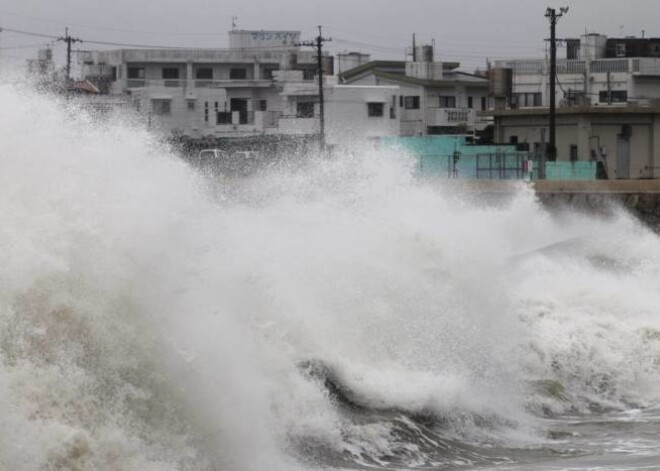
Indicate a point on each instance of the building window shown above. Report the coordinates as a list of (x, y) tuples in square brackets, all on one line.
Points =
[(574, 153), (305, 109), (614, 96), (206, 111), (526, 100), (393, 108), (263, 105), (484, 103), (238, 74), (223, 117), (447, 101), (411, 102), (205, 73), (375, 110), (170, 73), (400, 101), (161, 107), (191, 105), (513, 140), (309, 74), (136, 72), (621, 50), (470, 102)]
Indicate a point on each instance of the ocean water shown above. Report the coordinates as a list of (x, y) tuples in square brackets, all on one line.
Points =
[(333, 314)]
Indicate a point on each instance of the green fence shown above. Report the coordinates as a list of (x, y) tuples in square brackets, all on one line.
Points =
[(453, 157), (562, 170)]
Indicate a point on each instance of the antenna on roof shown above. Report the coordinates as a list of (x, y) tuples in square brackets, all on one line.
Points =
[(233, 22)]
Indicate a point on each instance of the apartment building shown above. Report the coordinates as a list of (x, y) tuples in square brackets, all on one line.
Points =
[(435, 97), (596, 70), (247, 90)]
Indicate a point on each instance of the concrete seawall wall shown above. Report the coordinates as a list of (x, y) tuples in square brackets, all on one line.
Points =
[(640, 197)]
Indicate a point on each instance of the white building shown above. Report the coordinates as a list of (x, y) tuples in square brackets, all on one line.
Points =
[(435, 97), (596, 71), (264, 84)]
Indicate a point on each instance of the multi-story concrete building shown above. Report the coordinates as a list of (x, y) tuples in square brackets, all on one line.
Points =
[(263, 84), (435, 98), (596, 70)]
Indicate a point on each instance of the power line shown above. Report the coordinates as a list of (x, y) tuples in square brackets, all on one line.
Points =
[(29, 33)]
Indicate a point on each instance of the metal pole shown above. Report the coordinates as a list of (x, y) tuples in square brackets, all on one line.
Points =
[(67, 38), (553, 82), (318, 44), (319, 60), (553, 17)]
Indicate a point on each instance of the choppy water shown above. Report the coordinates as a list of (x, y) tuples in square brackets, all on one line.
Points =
[(339, 314)]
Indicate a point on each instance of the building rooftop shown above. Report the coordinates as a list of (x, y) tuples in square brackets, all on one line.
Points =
[(388, 65)]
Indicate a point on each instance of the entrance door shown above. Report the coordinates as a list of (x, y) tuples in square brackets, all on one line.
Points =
[(622, 157), (240, 105)]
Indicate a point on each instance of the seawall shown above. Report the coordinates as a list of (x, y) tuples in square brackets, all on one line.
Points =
[(641, 197)]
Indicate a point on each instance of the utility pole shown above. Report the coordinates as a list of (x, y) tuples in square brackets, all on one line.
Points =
[(552, 16), (68, 40), (318, 44)]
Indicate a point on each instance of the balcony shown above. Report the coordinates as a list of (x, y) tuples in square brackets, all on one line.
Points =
[(450, 116), (646, 66), (183, 83), (242, 83)]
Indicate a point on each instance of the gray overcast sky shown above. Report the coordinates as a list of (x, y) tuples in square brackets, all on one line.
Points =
[(464, 30)]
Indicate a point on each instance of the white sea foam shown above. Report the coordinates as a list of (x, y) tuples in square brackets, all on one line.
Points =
[(149, 323)]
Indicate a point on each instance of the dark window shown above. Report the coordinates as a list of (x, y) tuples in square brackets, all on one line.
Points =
[(470, 102), (206, 111), (513, 140), (170, 73), (375, 110), (447, 101), (484, 103), (238, 74), (308, 74), (393, 108), (574, 153), (268, 73), (136, 72), (305, 109), (263, 105), (401, 101), (621, 50), (411, 102), (223, 117), (240, 105), (161, 107), (615, 96), (191, 105), (205, 73)]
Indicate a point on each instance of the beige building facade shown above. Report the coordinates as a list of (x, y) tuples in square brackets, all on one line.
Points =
[(625, 139)]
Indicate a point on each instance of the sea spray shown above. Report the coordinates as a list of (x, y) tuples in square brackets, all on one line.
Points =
[(152, 317)]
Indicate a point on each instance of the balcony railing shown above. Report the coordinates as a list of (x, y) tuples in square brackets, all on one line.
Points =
[(646, 66), (450, 116)]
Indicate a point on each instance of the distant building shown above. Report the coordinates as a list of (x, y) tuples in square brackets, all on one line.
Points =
[(596, 71), (624, 139), (264, 84), (608, 111), (435, 97)]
